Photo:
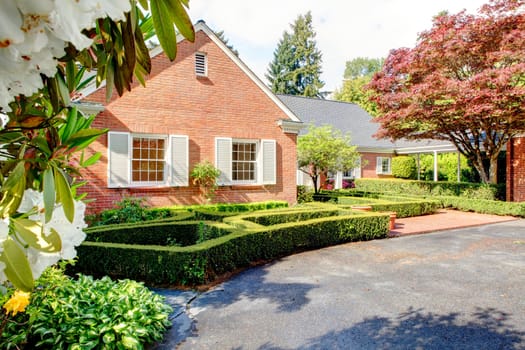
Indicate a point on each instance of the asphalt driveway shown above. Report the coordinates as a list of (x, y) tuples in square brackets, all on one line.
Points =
[(457, 289)]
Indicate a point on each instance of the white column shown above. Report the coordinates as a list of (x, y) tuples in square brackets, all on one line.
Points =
[(418, 168), (435, 165)]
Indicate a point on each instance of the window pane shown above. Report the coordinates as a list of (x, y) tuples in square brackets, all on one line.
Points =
[(148, 159)]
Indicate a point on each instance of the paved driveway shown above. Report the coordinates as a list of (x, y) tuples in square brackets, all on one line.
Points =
[(458, 289)]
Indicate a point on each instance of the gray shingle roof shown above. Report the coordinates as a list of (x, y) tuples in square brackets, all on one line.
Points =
[(349, 118)]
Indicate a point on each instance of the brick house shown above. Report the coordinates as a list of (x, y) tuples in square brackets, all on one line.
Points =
[(207, 105), (376, 155)]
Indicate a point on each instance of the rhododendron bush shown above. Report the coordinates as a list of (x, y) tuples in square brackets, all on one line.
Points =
[(45, 48), (463, 82)]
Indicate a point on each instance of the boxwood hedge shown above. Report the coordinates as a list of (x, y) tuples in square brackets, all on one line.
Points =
[(241, 243)]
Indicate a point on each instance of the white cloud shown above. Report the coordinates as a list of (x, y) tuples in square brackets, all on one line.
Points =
[(345, 29)]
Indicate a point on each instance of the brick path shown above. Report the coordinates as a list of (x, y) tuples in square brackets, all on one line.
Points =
[(444, 220)]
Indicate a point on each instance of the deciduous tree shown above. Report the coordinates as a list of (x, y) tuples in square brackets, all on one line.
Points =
[(463, 82), (296, 65), (325, 149), (358, 74)]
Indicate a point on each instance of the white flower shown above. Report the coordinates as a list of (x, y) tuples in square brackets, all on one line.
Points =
[(71, 233), (33, 35)]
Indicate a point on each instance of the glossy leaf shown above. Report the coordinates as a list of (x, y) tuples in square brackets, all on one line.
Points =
[(162, 20), (17, 267), (32, 234), (91, 160), (49, 193), (13, 190), (64, 194), (84, 138), (181, 19)]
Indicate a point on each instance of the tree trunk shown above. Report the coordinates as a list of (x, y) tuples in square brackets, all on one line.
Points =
[(478, 165), (314, 180), (493, 170)]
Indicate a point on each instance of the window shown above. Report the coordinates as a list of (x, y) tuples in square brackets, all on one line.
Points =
[(201, 64), (245, 161), (383, 165), (148, 163), (354, 173), (147, 160)]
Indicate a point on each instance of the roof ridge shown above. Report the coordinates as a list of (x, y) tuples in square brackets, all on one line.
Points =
[(318, 99)]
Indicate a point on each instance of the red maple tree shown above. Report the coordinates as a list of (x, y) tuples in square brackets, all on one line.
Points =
[(463, 82)]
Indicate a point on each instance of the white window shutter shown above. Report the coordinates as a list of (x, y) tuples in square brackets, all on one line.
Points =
[(119, 159), (179, 159), (357, 170), (223, 160), (379, 165), (269, 160)]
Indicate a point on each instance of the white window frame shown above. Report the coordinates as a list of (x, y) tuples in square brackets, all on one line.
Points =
[(120, 158), (165, 160), (380, 165), (201, 64), (255, 162), (265, 161)]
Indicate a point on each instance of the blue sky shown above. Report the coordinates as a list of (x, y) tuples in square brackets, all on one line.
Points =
[(345, 29)]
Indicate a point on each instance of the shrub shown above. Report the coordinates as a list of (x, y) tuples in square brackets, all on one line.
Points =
[(246, 243), (404, 167), (484, 206), (304, 194), (180, 233), (85, 314), (423, 188), (205, 176)]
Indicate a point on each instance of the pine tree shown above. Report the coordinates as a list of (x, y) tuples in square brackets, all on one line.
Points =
[(296, 66)]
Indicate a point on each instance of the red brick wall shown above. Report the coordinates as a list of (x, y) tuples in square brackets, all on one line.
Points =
[(226, 103), (516, 169), (368, 169)]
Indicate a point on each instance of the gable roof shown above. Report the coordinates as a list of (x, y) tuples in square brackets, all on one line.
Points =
[(351, 118), (201, 26)]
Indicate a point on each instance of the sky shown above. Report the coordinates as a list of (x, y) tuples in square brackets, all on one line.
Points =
[(344, 29)]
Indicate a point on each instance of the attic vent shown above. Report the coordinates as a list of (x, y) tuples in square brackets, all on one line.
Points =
[(201, 68)]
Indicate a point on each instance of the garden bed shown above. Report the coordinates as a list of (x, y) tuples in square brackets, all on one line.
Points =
[(242, 240)]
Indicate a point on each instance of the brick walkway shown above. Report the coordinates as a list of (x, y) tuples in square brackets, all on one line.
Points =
[(444, 220)]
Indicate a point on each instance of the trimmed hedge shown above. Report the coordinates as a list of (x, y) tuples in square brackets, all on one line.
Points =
[(484, 206), (404, 207), (414, 187), (243, 245), (183, 233)]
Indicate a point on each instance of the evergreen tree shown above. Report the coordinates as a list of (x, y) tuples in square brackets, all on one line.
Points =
[(220, 35), (296, 66)]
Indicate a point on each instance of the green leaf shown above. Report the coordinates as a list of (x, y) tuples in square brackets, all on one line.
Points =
[(64, 194), (71, 75), (49, 193), (130, 342), (13, 190), (91, 160), (17, 267), (32, 233), (83, 138), (162, 20), (181, 19)]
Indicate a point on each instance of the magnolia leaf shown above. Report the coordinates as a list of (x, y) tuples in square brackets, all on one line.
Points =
[(33, 234), (13, 190), (64, 194), (181, 19), (83, 138), (162, 20), (91, 160), (49, 193), (17, 268), (14, 178)]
